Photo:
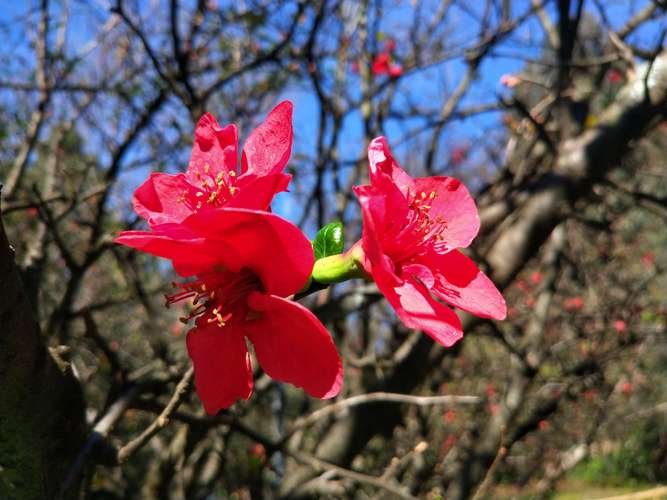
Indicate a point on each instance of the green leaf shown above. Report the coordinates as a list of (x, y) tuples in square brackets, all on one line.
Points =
[(329, 240)]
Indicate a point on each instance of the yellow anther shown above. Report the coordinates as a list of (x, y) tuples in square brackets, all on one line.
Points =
[(432, 195), (206, 168), (199, 193)]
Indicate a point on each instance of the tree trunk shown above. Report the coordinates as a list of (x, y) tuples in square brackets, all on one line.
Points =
[(42, 421)]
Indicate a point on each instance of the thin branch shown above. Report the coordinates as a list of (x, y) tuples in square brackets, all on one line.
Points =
[(160, 422), (378, 397)]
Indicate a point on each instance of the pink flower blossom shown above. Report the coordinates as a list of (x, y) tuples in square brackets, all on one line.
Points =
[(412, 229)]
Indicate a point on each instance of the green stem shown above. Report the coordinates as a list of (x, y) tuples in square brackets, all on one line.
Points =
[(339, 268)]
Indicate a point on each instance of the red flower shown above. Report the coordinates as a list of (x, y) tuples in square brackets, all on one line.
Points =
[(627, 388), (212, 180), (614, 76), (620, 326), (240, 293), (382, 66), (459, 154), (209, 222), (574, 304), (411, 231)]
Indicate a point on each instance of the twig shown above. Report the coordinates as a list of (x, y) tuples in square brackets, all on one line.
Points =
[(491, 472), (160, 422), (319, 464), (378, 397)]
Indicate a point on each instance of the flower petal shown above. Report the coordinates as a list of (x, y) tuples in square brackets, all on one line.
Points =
[(381, 163), (223, 373), (257, 192), (459, 282), (417, 309), (455, 206), (214, 152), (268, 148), (271, 246), (189, 252), (374, 208), (410, 299), (293, 346), (156, 200)]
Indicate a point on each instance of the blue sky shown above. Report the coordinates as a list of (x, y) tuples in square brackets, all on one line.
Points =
[(428, 88)]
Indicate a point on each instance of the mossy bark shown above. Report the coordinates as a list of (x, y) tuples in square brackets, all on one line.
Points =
[(42, 422)]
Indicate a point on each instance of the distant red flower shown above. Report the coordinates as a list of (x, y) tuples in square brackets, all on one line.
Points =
[(212, 179), (590, 394), (536, 277), (412, 229), (447, 444), (523, 286), (510, 81), (620, 326), (627, 388), (459, 155), (449, 416), (648, 258), (258, 451), (573, 304), (614, 76), (543, 425), (32, 212), (382, 65)]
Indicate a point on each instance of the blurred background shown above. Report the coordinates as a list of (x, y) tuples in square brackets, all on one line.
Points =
[(553, 113)]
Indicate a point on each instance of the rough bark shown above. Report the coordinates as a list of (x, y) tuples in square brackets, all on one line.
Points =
[(42, 421)]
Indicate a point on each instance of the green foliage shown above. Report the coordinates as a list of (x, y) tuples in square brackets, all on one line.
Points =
[(639, 460), (329, 240)]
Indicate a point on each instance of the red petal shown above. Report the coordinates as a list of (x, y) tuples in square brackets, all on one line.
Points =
[(411, 300), (257, 192), (214, 151), (454, 204), (223, 374), (272, 247), (417, 309), (459, 282), (173, 241), (269, 146), (155, 199), (373, 210), (381, 162), (293, 346), (386, 208)]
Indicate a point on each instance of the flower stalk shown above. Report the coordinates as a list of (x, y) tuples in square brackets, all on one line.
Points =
[(340, 267)]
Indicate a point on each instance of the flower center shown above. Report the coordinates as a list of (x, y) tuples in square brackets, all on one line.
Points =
[(420, 230), (217, 297), (209, 190)]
